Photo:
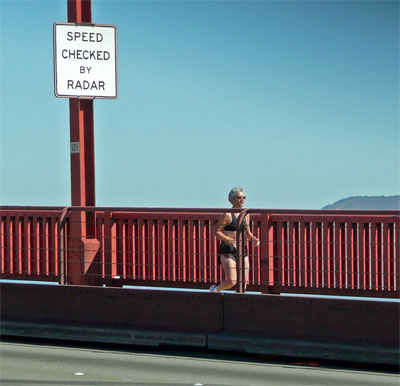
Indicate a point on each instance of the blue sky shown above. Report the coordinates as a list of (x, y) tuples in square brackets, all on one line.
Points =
[(296, 101)]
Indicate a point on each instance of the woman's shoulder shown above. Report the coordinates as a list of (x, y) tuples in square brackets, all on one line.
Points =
[(225, 217)]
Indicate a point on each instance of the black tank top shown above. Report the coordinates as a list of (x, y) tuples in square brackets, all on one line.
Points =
[(232, 226)]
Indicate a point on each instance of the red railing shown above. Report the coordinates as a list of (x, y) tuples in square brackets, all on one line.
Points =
[(29, 243), (332, 253), (321, 252), (167, 248)]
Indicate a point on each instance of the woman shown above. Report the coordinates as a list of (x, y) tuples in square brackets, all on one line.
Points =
[(225, 230)]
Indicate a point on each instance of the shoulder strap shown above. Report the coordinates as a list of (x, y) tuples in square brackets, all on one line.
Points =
[(234, 219)]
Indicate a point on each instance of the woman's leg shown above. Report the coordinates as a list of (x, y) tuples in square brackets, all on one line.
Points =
[(229, 267), (246, 271)]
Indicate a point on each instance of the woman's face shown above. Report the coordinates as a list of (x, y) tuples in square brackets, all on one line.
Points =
[(238, 201)]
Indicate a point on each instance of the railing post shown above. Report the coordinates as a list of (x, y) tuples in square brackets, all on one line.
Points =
[(240, 254), (61, 247), (266, 253), (108, 248), (61, 255)]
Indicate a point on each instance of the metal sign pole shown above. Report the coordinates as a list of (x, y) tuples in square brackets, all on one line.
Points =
[(83, 246)]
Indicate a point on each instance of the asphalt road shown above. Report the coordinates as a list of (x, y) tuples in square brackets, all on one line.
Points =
[(44, 364)]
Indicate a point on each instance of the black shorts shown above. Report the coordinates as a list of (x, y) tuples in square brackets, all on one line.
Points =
[(228, 250)]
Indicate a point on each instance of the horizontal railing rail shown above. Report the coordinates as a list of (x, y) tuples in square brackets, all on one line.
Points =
[(301, 251)]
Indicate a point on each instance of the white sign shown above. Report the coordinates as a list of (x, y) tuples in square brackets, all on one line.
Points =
[(85, 60)]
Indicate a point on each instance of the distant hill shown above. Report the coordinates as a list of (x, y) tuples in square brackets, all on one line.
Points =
[(366, 202)]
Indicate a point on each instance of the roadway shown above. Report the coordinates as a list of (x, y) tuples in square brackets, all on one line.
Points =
[(42, 363)]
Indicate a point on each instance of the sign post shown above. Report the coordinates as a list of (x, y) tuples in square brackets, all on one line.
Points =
[(84, 69)]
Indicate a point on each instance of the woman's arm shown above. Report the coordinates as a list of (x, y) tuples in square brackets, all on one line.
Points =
[(218, 230), (247, 232)]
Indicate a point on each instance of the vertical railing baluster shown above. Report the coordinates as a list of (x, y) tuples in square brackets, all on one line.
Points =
[(325, 254), (15, 246), (386, 269), (191, 252), (396, 254), (361, 251), (279, 263)]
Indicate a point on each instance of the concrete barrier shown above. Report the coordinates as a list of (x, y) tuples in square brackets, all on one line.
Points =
[(354, 330)]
